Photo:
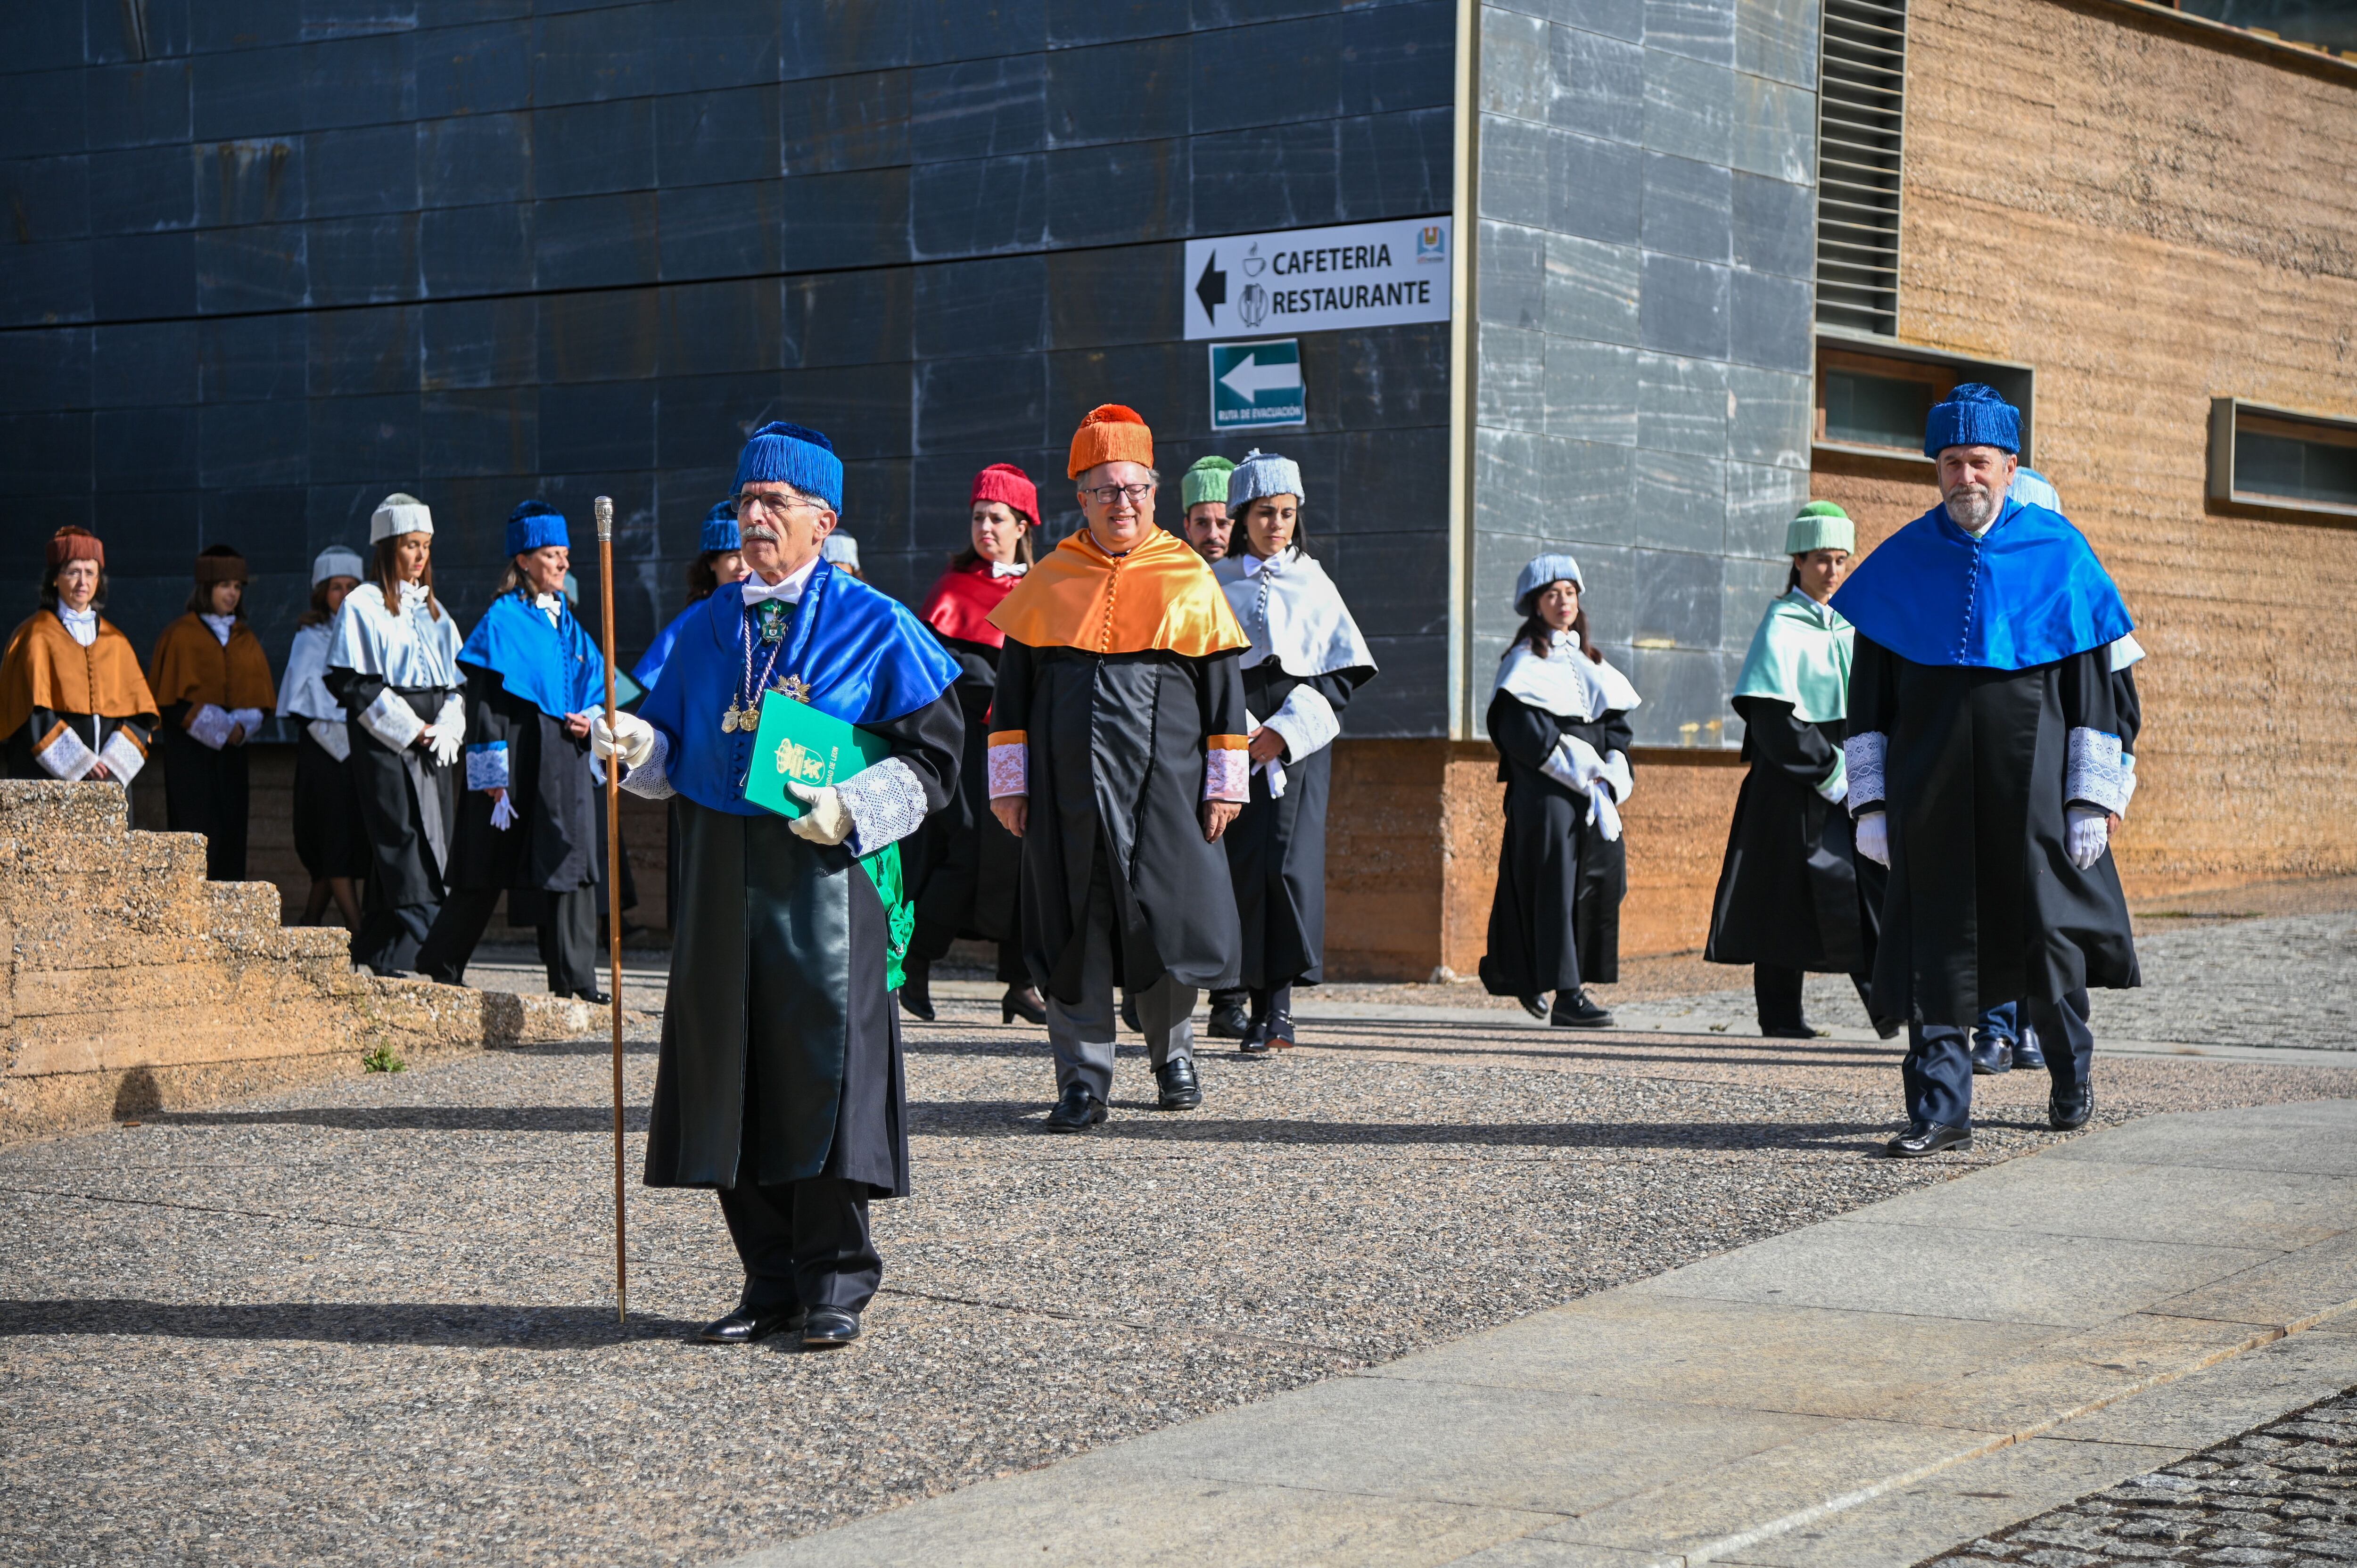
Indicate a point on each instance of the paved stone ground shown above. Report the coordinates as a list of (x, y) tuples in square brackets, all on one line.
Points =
[(2284, 1496)]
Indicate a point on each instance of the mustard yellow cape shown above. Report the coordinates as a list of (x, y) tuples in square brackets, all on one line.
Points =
[(190, 665), (45, 668), (1157, 595)]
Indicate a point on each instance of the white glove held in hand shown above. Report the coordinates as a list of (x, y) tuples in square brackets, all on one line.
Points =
[(2089, 834), (503, 812), (631, 738), (1873, 832), (446, 735), (828, 821)]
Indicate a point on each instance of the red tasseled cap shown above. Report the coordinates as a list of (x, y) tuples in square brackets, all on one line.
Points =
[(1005, 482)]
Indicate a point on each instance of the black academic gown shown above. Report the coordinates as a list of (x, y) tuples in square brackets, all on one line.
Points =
[(1793, 893), (206, 791), (1277, 846), (330, 838), (554, 844), (1984, 906), (965, 868), (406, 797), (780, 1047), (1116, 768), (1554, 921)]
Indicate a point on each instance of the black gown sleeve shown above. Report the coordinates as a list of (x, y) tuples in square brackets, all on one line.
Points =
[(1873, 687), (491, 717), (1525, 733), (1011, 702), (1790, 745), (929, 741), (2128, 707), (355, 691), (1220, 691), (1618, 735)]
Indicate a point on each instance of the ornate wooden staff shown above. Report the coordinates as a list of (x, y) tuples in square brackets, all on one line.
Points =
[(604, 507)]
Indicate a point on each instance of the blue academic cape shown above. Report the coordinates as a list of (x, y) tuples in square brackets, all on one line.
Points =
[(2028, 592), (867, 659), (650, 667), (556, 668)]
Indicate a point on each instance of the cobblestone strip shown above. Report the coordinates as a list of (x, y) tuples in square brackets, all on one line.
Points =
[(2284, 1496)]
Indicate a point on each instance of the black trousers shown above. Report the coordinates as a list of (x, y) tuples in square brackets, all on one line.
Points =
[(803, 1244), (931, 940), (1938, 1071), (569, 937), (390, 934), (1776, 991)]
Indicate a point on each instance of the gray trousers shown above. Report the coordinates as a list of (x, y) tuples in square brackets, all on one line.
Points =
[(1081, 1034)]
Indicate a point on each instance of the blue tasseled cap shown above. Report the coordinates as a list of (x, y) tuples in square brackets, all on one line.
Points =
[(1538, 573), (720, 532), (1263, 473), (1976, 415), (534, 524), (794, 456)]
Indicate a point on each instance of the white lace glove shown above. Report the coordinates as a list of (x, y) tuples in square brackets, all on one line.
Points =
[(446, 735), (1873, 835), (503, 812), (2089, 834), (828, 821), (631, 738)]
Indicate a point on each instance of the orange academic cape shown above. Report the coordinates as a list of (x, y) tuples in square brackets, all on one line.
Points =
[(45, 668), (191, 666), (1159, 595)]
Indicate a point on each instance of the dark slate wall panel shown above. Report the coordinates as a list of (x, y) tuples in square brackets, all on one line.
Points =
[(295, 254)]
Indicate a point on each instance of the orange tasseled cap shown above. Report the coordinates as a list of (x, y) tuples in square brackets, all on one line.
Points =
[(1111, 434)]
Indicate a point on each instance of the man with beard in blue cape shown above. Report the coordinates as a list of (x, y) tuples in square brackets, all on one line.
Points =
[(779, 1082), (528, 825), (1984, 769)]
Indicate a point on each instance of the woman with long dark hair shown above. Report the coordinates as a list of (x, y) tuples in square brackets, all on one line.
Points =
[(968, 867), (1559, 718), (212, 680), (392, 662), (1306, 660), (330, 836), (73, 702)]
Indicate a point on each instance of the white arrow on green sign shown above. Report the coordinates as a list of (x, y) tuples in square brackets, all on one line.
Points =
[(1257, 386)]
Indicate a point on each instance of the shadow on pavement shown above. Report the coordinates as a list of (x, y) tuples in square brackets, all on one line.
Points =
[(1023, 1118), (489, 1324), (420, 1118)]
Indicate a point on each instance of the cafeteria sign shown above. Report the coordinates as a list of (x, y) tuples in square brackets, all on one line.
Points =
[(1257, 386), (1318, 280)]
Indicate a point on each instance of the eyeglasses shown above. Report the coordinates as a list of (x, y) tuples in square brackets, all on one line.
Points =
[(1105, 495), (775, 506)]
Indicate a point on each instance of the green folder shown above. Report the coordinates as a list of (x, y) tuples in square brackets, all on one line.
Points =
[(799, 744)]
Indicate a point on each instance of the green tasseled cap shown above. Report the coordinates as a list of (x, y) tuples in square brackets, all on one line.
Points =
[(1822, 525), (1206, 481)]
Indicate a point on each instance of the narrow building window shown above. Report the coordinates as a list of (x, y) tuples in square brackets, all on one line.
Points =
[(1861, 123), (2275, 460)]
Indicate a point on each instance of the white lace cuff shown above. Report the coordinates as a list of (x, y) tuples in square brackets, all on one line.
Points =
[(208, 727), (333, 738), (1009, 767), (1573, 764), (1834, 786), (487, 765), (1862, 754), (650, 779), (1307, 722), (125, 755), (391, 720), (63, 754), (1227, 770), (886, 803), (2095, 772)]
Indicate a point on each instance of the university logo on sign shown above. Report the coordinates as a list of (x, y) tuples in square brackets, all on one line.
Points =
[(1318, 280), (1257, 386)]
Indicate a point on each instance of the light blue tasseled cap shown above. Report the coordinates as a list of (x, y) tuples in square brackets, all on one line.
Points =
[(1263, 473), (1542, 570)]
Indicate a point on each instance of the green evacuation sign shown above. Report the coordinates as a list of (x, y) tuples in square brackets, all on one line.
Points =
[(1257, 386)]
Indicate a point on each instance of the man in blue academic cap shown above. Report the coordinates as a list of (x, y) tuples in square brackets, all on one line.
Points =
[(527, 822), (1984, 769), (778, 1084)]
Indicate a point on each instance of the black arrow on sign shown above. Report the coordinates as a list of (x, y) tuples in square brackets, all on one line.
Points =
[(1212, 288)]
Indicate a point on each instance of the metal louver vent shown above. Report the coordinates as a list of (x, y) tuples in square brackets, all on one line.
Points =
[(1861, 123)]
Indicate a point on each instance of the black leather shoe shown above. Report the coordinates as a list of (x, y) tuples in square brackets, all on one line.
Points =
[(1573, 1010), (1229, 1019), (1887, 1029), (596, 998), (829, 1327), (917, 991), (2026, 1052), (1534, 1005), (1076, 1110), (1022, 1002), (1277, 1034), (2068, 1113), (1995, 1057), (1181, 1089), (1927, 1138), (1787, 1032), (748, 1323)]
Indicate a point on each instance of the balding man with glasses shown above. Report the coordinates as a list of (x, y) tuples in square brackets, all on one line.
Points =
[(1117, 756)]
